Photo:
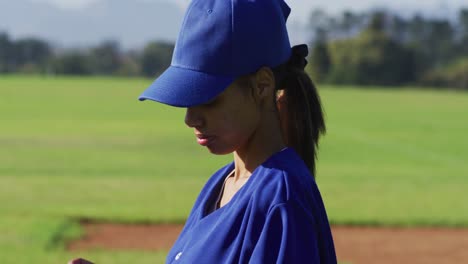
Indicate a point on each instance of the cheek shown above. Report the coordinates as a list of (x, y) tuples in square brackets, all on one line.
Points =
[(234, 130), (237, 128)]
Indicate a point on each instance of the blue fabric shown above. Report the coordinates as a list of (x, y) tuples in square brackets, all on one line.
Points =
[(277, 217), (181, 87), (220, 41)]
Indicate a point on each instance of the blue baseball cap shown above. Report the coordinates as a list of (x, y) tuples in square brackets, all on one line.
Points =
[(220, 41)]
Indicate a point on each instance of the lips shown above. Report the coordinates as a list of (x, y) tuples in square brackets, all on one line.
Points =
[(204, 140)]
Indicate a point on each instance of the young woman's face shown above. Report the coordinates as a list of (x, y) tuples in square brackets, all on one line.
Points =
[(227, 123)]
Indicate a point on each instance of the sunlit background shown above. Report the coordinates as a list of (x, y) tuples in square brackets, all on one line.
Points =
[(134, 23), (76, 147)]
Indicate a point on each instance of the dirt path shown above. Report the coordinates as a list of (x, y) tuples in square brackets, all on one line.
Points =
[(357, 245)]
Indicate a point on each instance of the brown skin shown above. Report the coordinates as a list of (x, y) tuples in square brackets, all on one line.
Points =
[(79, 261), (243, 121)]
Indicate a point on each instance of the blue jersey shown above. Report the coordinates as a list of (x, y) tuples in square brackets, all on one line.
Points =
[(278, 216)]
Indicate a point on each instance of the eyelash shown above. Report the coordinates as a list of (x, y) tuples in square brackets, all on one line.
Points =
[(211, 103)]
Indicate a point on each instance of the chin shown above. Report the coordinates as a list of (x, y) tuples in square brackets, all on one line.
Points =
[(219, 150)]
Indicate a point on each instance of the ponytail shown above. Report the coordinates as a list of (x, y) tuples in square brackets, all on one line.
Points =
[(304, 110)]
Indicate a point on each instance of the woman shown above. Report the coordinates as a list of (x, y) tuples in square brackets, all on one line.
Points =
[(246, 93)]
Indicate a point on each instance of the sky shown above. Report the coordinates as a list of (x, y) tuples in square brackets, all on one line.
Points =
[(297, 22), (301, 8)]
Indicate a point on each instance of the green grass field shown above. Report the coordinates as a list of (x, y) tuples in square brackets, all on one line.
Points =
[(86, 148)]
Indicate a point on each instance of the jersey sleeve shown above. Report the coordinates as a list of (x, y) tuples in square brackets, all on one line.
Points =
[(287, 237)]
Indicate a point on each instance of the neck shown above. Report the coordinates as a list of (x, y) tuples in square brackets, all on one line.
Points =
[(265, 141)]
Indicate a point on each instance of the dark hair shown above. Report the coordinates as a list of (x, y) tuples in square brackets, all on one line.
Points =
[(305, 115)]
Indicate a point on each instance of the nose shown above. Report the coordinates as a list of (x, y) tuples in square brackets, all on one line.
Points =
[(193, 118)]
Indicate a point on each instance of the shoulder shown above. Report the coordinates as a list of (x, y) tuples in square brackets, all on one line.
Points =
[(284, 179)]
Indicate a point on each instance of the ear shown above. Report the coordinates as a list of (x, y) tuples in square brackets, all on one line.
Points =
[(264, 84)]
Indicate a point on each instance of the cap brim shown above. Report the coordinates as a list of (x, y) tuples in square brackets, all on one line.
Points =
[(184, 88)]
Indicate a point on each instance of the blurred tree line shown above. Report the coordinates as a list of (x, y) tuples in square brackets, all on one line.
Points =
[(37, 56), (383, 48), (369, 48)]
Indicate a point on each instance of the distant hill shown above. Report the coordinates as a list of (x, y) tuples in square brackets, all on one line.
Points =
[(131, 23)]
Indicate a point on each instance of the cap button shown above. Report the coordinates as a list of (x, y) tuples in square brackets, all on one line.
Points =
[(209, 11)]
